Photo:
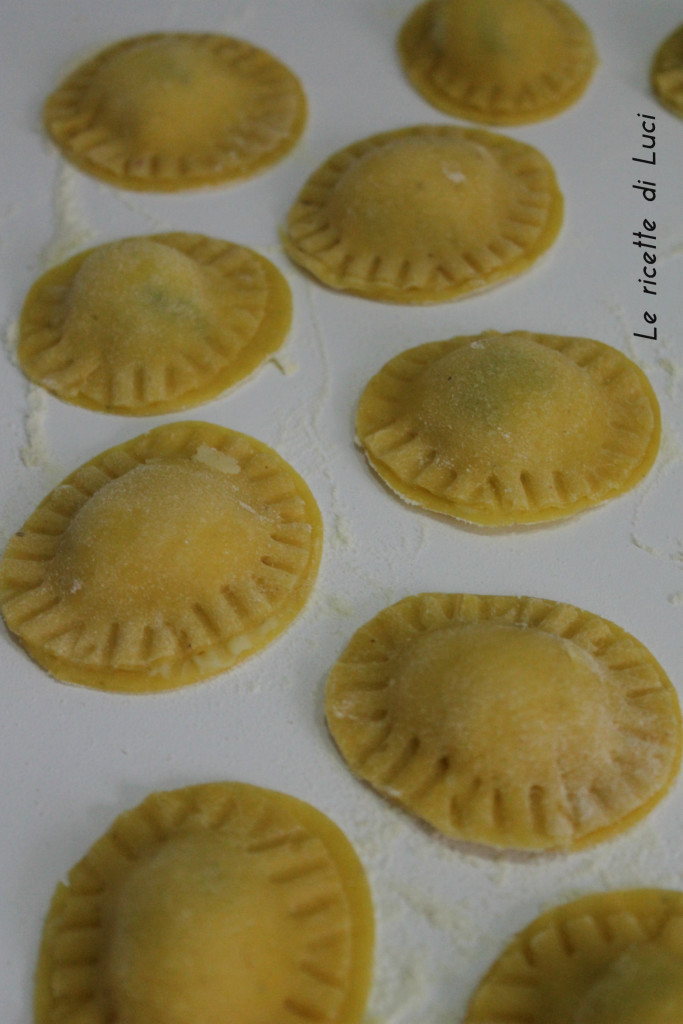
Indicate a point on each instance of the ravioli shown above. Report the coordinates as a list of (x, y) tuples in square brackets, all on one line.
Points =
[(425, 214), (152, 324), (498, 63), (502, 429), (516, 722), (666, 73), (171, 111), (608, 958), (217, 902), (162, 561)]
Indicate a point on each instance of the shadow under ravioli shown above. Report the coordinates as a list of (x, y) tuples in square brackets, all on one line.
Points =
[(503, 429), (517, 722), (498, 63), (162, 561), (221, 901), (425, 214), (152, 324), (608, 958), (171, 111)]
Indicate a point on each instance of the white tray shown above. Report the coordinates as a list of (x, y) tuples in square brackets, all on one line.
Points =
[(70, 758)]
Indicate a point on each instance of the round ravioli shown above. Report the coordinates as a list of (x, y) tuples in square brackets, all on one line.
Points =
[(171, 111), (217, 902), (498, 63), (608, 958), (153, 324), (667, 72), (425, 214), (502, 429), (517, 722), (162, 561)]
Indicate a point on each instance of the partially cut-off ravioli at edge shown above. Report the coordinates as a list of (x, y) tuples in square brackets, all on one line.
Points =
[(498, 63), (425, 214), (171, 111), (163, 560), (504, 429), (608, 958), (218, 902), (515, 722), (666, 73), (153, 324)]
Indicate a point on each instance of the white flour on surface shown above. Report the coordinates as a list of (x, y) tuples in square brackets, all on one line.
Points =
[(36, 453), (72, 232)]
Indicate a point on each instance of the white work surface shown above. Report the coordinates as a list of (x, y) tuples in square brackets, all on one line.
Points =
[(71, 759)]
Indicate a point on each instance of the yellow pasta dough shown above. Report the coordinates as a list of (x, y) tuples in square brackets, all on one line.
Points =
[(498, 63), (162, 561), (171, 111), (220, 902), (152, 324), (667, 72), (425, 214), (517, 722), (608, 958), (499, 429)]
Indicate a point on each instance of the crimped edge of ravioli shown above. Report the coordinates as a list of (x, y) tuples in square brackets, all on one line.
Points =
[(666, 72), (162, 815), (360, 675), (88, 148), (603, 359), (47, 294), (420, 60), (308, 237), (568, 948), (217, 446)]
